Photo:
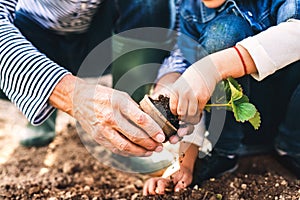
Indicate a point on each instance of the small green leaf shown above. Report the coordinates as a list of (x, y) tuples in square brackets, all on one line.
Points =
[(255, 121), (234, 82), (244, 99), (228, 95), (236, 92), (243, 111)]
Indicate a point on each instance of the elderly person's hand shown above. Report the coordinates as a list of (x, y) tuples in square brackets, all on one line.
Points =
[(110, 116)]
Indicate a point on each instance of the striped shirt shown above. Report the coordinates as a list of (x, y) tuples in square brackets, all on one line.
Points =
[(61, 15), (27, 76)]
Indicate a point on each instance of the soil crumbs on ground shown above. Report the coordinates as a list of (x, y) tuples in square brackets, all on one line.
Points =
[(66, 170)]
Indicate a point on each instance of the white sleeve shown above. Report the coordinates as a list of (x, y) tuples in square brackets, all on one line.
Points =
[(27, 76), (197, 137), (274, 48)]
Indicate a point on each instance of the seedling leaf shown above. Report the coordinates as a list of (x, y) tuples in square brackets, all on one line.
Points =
[(243, 111), (236, 91), (229, 95), (255, 121), (234, 82)]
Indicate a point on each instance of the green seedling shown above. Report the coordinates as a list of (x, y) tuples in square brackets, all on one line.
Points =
[(236, 101)]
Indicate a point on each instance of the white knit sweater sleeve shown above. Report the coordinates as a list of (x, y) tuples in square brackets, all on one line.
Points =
[(274, 48)]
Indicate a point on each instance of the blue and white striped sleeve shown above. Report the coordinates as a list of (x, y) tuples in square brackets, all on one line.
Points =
[(174, 63), (27, 76)]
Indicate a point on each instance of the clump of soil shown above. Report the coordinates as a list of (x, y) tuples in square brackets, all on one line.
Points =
[(162, 104)]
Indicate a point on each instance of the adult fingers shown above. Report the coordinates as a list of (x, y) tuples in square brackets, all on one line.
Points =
[(185, 129), (120, 144), (143, 121), (136, 135), (174, 139)]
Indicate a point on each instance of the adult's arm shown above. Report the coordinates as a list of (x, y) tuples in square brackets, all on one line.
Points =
[(36, 84), (27, 76)]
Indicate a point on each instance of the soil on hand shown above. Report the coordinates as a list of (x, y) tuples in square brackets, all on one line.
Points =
[(66, 170)]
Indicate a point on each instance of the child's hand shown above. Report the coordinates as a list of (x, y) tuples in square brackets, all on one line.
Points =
[(193, 89), (156, 185), (182, 178), (179, 180), (163, 87)]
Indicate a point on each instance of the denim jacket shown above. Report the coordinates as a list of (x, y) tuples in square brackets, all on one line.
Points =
[(260, 14)]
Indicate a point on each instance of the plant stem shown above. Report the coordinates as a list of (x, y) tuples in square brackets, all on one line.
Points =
[(217, 105)]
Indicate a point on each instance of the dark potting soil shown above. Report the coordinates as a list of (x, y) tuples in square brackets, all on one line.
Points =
[(162, 104)]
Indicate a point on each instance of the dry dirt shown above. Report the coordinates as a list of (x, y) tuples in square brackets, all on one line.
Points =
[(66, 170)]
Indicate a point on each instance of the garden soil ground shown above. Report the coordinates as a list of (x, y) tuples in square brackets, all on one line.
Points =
[(66, 170)]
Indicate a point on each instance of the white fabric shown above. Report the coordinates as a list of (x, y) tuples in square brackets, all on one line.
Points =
[(274, 48), (197, 137)]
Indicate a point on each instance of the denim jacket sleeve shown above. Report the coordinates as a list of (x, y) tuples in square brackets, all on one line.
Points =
[(288, 9), (174, 63)]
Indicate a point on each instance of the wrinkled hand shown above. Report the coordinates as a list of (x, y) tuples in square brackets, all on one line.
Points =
[(193, 89), (115, 120), (164, 86), (158, 185)]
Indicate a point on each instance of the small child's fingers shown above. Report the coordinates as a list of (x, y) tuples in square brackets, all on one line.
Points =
[(173, 103), (149, 187), (183, 182), (180, 185), (145, 188), (162, 185)]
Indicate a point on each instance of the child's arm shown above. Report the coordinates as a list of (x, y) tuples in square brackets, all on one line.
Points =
[(257, 55), (188, 153), (180, 178)]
